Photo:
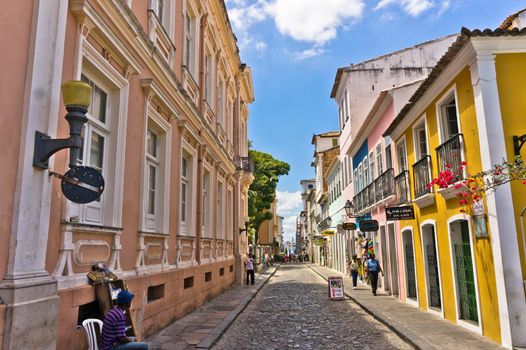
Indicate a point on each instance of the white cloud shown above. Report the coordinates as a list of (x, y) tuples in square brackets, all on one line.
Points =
[(261, 46), (311, 21), (289, 202), (309, 53), (314, 21), (289, 206), (411, 7)]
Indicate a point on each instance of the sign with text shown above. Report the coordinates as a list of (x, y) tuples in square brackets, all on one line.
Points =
[(400, 213), (368, 225), (349, 226), (328, 233), (336, 288)]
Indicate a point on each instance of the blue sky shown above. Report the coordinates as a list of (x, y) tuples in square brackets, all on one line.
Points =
[(294, 48)]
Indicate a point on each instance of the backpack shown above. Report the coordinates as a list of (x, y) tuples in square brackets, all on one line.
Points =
[(372, 265)]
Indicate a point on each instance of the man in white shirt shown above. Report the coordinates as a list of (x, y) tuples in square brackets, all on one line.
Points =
[(249, 265)]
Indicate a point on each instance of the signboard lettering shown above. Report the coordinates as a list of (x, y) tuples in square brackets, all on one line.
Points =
[(400, 213), (336, 288), (349, 226), (368, 225)]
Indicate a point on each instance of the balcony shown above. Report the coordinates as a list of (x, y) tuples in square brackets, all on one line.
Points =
[(384, 185), (378, 190), (421, 178), (402, 187), (449, 155), (245, 164)]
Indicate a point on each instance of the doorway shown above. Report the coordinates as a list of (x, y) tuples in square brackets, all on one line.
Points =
[(464, 271), (383, 248), (393, 260), (410, 270), (431, 267)]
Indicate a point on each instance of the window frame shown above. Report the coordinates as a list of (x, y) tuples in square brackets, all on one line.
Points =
[(379, 159), (158, 222), (444, 132), (189, 154), (107, 211), (419, 126), (404, 166)]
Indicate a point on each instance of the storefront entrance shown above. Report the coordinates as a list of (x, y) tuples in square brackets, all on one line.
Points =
[(467, 295)]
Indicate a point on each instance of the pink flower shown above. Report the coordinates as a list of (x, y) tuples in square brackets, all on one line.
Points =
[(463, 163)]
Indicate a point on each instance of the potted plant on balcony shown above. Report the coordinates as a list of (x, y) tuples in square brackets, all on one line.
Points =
[(473, 189)]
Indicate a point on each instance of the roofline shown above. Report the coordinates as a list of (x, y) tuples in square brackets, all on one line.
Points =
[(444, 62), (340, 71), (509, 20), (325, 134)]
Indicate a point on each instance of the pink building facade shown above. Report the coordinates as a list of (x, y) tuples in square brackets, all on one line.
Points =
[(167, 128)]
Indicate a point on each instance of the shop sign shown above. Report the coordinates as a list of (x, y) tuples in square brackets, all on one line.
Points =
[(325, 224), (351, 226), (400, 213), (369, 226), (336, 288), (328, 233)]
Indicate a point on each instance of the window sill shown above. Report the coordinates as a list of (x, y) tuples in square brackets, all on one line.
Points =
[(450, 192), (425, 200), (79, 226)]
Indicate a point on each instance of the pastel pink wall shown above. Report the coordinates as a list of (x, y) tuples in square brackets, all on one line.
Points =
[(15, 22)]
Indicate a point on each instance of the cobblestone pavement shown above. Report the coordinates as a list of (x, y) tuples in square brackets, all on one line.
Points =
[(292, 311)]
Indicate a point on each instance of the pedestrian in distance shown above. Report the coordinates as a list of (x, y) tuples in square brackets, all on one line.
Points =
[(113, 335), (373, 268), (249, 266), (353, 267)]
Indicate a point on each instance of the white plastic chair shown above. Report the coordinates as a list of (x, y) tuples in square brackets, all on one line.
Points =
[(91, 332)]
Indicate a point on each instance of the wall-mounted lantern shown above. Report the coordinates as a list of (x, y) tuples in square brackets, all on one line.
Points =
[(81, 184), (241, 230)]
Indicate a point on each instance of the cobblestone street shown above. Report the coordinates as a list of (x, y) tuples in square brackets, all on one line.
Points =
[(293, 311)]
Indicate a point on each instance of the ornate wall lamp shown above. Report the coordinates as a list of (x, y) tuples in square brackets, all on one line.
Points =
[(81, 184), (241, 230)]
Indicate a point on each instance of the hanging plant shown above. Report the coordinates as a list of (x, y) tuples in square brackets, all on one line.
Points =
[(476, 186)]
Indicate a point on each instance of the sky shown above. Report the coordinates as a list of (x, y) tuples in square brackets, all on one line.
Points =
[(294, 48)]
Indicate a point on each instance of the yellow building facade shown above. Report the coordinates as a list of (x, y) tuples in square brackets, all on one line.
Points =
[(467, 110)]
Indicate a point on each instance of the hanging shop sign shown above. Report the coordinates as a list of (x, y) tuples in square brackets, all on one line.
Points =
[(328, 233), (325, 224), (350, 226), (400, 213), (369, 226), (336, 288)]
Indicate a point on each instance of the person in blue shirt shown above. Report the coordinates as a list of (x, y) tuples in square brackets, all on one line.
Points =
[(373, 268)]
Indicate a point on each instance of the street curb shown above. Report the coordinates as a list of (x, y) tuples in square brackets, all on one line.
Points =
[(221, 328), (402, 335)]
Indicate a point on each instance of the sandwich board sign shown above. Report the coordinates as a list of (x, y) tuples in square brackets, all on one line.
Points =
[(336, 288)]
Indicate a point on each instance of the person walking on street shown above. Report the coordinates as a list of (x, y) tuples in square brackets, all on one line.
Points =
[(353, 267), (373, 268), (249, 266)]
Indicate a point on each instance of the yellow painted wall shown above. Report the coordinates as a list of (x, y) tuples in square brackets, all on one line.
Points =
[(511, 69), (441, 211)]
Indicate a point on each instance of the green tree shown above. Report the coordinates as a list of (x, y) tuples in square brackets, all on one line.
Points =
[(262, 191)]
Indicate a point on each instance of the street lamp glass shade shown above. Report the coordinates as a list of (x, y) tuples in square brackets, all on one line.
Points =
[(348, 208), (76, 92)]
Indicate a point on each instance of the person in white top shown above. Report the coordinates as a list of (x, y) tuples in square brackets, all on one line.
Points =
[(249, 266)]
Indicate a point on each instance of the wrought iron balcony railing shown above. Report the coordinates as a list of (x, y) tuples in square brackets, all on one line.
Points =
[(422, 176), (449, 155), (402, 187), (245, 164), (381, 188)]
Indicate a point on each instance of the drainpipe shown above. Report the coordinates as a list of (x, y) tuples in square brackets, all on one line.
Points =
[(523, 241)]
